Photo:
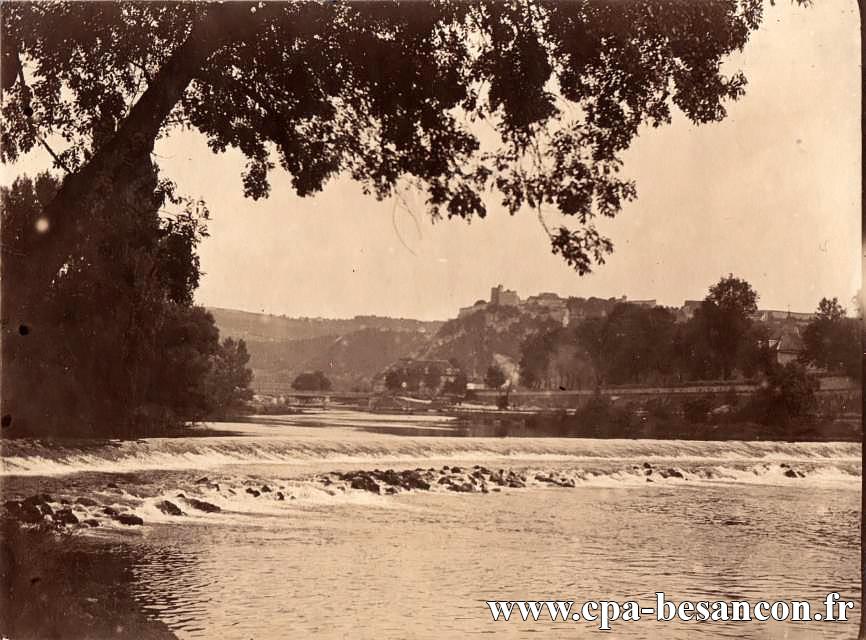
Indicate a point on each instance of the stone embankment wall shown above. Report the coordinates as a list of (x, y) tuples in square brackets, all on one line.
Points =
[(839, 394)]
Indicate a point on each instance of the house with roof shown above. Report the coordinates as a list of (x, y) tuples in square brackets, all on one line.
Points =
[(786, 343)]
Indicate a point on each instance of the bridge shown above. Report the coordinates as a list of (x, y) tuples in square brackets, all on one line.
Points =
[(294, 396)]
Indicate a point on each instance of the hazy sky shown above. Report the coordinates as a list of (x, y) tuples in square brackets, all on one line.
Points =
[(771, 194)]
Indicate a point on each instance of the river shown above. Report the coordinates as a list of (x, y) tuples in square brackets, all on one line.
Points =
[(294, 551)]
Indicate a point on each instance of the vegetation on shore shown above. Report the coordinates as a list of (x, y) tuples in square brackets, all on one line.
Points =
[(639, 345), (121, 349)]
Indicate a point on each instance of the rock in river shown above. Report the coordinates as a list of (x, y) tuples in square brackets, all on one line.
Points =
[(201, 505), (65, 516), (365, 483), (169, 508), (129, 519)]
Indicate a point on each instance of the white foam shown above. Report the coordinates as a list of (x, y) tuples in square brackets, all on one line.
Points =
[(293, 440)]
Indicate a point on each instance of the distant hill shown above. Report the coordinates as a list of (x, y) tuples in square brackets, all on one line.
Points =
[(349, 351), (354, 359), (268, 327)]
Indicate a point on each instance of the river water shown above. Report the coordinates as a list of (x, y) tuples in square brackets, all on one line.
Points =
[(312, 557)]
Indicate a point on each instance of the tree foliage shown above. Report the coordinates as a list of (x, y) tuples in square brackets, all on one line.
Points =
[(393, 380), (553, 359), (388, 92), (456, 385), (832, 341), (630, 345), (311, 381), (417, 376), (117, 346), (228, 379), (789, 393), (722, 324), (494, 378)]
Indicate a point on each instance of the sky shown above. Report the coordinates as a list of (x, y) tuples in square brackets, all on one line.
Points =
[(771, 194)]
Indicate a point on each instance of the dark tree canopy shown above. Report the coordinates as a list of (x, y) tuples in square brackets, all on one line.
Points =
[(311, 381), (626, 343), (722, 323), (117, 347), (789, 393), (734, 296), (832, 341), (227, 382), (391, 93), (553, 359), (630, 345), (457, 385), (494, 378)]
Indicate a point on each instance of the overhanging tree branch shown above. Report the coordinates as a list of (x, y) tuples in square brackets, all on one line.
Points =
[(133, 142)]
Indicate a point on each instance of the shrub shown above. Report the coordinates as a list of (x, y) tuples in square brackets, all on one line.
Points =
[(789, 392), (601, 416), (315, 381), (695, 410), (659, 409)]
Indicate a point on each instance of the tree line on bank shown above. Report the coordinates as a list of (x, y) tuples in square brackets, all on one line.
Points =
[(429, 378), (721, 341), (120, 348), (637, 345)]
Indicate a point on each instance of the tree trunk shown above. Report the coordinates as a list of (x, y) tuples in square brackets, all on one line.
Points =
[(112, 175)]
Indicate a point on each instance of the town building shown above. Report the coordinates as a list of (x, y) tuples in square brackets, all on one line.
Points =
[(689, 308), (649, 304), (772, 315), (479, 305), (504, 297), (787, 343), (549, 305)]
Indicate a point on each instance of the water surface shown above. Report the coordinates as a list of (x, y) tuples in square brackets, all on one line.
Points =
[(772, 521)]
